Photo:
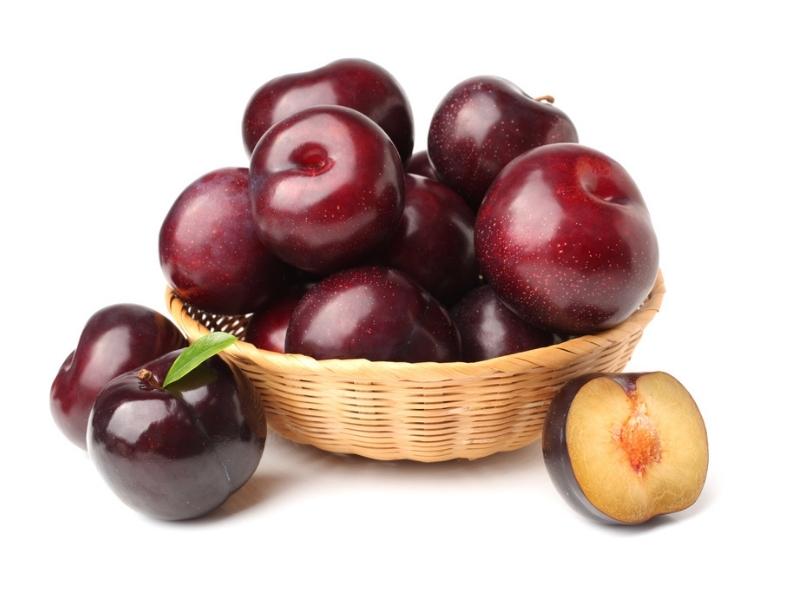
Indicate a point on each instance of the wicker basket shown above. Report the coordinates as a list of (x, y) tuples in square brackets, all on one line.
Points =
[(425, 411)]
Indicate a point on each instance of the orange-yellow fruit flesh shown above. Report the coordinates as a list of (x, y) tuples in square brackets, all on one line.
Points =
[(638, 436), (637, 453)]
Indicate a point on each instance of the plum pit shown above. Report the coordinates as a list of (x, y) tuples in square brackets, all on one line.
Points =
[(638, 437)]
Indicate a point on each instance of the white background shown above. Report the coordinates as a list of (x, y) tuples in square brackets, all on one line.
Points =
[(109, 112)]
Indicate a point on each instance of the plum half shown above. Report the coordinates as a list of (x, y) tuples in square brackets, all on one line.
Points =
[(624, 448)]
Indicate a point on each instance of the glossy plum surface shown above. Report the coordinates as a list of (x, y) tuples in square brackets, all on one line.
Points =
[(489, 328), (481, 125), (565, 240), (114, 340), (420, 164), (434, 242), (177, 453), (210, 250), (357, 84), (267, 328), (374, 313), (326, 188)]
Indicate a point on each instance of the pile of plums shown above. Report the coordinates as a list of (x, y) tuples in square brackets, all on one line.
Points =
[(506, 235), (337, 242)]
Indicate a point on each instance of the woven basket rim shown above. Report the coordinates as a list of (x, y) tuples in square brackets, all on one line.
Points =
[(554, 356)]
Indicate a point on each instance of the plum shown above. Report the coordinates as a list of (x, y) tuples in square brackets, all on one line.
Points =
[(565, 239), (626, 447), (267, 328), (177, 452), (484, 123), (115, 339), (210, 251), (354, 83), (489, 328), (374, 313), (326, 188), (435, 241)]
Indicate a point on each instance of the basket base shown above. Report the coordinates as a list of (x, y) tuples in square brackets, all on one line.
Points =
[(395, 454), (432, 455)]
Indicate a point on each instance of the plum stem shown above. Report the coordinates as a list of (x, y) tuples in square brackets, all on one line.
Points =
[(549, 99), (638, 435), (148, 377)]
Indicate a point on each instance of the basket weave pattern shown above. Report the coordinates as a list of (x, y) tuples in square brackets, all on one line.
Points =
[(425, 411)]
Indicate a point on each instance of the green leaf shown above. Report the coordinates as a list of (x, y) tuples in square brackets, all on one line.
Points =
[(197, 353)]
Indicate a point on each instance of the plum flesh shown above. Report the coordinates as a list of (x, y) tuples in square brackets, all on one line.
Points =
[(624, 448)]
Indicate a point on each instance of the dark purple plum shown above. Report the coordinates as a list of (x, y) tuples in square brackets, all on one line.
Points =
[(267, 328), (210, 251), (356, 84), (420, 164), (180, 452), (374, 313), (115, 339), (489, 328), (481, 125), (566, 241), (434, 242), (326, 188)]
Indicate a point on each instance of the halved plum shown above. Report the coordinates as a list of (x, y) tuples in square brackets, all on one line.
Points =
[(626, 447)]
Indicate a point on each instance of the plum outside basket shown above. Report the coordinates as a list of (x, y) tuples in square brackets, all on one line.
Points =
[(425, 412)]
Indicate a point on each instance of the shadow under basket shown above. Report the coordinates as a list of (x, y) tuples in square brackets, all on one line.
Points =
[(422, 411)]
